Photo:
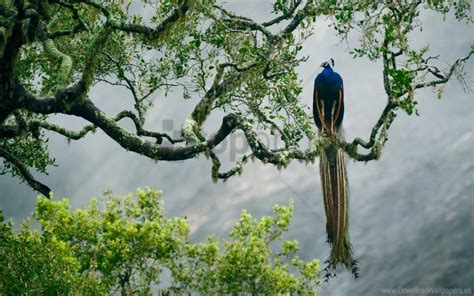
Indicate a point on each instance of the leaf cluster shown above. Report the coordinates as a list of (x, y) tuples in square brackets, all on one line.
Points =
[(128, 244)]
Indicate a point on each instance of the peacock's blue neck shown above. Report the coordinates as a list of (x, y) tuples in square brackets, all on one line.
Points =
[(328, 71), (329, 77)]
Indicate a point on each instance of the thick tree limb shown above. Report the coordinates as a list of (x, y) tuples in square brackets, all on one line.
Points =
[(66, 62), (76, 135), (25, 173), (131, 142), (9, 131), (264, 58), (88, 111)]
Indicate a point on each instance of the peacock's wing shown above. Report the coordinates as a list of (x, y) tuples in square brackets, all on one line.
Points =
[(328, 104)]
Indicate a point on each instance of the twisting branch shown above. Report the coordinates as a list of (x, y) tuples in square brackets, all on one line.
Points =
[(385, 120), (81, 25), (237, 169), (25, 173), (278, 157), (77, 135), (375, 144), (307, 11), (92, 56), (391, 105), (243, 24), (9, 131), (395, 93), (262, 68), (66, 62), (73, 135), (288, 15), (143, 132), (448, 75), (381, 127), (91, 113), (219, 86), (130, 86), (149, 32), (191, 129)]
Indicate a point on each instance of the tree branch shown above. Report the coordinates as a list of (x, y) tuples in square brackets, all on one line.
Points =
[(307, 10), (242, 77), (73, 135), (81, 26), (9, 131), (142, 132), (283, 17), (243, 24), (150, 32), (76, 135), (131, 142), (448, 75), (25, 173)]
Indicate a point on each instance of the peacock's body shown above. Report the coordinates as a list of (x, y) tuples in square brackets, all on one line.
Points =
[(328, 112)]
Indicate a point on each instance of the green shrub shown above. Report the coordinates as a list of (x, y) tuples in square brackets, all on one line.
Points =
[(128, 244)]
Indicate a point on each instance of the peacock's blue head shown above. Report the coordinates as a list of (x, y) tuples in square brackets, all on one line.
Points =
[(328, 64)]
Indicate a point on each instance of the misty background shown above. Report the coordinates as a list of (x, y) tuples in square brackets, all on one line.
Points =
[(411, 212)]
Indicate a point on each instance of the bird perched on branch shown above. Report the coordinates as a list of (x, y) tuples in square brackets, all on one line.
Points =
[(328, 112)]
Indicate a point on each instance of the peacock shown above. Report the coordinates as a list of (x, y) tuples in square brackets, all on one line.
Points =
[(328, 112)]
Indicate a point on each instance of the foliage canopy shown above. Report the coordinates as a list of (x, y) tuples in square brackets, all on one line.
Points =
[(53, 52)]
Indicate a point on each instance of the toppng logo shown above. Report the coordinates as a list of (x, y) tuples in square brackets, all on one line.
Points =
[(234, 145), (426, 291)]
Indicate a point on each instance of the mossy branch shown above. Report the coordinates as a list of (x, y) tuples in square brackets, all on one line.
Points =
[(253, 63), (92, 56), (25, 173), (65, 68)]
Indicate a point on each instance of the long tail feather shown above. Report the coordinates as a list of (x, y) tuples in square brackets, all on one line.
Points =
[(336, 203)]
